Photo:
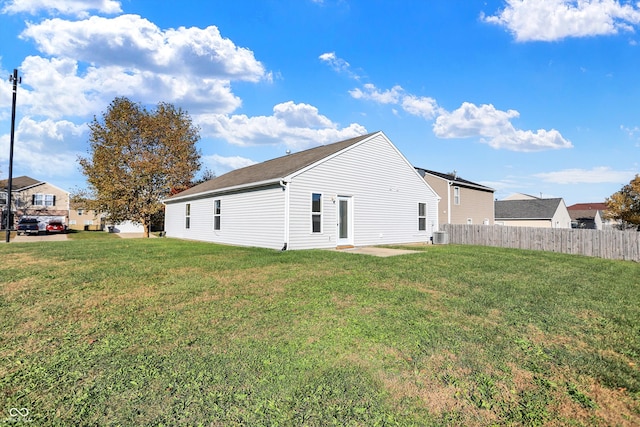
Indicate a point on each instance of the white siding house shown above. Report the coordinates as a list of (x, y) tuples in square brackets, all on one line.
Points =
[(358, 192)]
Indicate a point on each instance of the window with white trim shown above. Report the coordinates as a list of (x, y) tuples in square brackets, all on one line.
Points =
[(217, 210), (422, 217), (469, 221), (316, 213), (187, 215), (40, 199), (456, 195)]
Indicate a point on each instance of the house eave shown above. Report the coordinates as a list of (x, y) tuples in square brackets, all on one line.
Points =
[(177, 198)]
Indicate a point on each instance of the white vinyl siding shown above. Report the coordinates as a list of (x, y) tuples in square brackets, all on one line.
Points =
[(385, 190), (382, 186), (251, 218)]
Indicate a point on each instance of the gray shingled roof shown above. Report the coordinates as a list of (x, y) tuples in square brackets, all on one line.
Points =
[(271, 170), (18, 183), (526, 209), (455, 179)]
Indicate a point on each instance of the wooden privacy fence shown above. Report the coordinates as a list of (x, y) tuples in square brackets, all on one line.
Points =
[(608, 244)]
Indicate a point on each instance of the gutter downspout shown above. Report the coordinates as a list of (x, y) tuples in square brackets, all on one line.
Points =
[(285, 188), (449, 202)]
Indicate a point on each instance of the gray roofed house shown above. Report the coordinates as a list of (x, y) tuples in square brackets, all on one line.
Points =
[(357, 192), (534, 212), (272, 170)]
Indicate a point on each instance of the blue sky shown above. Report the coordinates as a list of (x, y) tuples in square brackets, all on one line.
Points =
[(532, 96)]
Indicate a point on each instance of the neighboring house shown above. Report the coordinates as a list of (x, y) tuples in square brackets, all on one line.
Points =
[(590, 216), (461, 201), (81, 218), (36, 199), (522, 196), (357, 192), (534, 212)]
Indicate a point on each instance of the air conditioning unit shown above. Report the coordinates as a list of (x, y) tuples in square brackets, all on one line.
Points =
[(440, 238)]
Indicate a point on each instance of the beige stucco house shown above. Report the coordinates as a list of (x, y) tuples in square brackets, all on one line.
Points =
[(461, 201)]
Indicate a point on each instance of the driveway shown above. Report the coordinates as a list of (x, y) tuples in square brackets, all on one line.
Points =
[(39, 238)]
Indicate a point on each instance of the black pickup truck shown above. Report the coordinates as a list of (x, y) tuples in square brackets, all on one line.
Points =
[(28, 226)]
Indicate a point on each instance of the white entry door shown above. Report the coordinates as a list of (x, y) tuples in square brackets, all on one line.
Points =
[(345, 221)]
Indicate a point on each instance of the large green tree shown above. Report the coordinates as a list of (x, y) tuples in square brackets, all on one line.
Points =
[(138, 157), (624, 205)]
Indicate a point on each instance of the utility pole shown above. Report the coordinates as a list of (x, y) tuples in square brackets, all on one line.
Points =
[(15, 80)]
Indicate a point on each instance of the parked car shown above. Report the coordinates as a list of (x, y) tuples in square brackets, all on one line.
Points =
[(56, 227), (28, 226)]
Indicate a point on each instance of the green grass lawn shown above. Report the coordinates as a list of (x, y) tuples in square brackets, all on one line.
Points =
[(108, 331)]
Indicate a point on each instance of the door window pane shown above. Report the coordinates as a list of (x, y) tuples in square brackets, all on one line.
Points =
[(343, 231)]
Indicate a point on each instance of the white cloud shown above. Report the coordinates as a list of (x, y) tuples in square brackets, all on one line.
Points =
[(129, 56), (597, 175), (296, 126), (221, 165), (339, 65), (371, 93), (45, 148), (78, 8), (424, 107), (494, 128), (135, 43), (549, 20)]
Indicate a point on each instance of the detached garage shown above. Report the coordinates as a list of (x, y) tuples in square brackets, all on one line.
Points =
[(358, 192)]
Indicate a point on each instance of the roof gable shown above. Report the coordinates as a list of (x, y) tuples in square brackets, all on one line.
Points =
[(19, 183), (526, 209), (583, 214), (271, 170)]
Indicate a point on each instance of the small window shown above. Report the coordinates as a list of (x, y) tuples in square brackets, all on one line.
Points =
[(316, 213), (456, 195), (3, 198), (80, 211), (216, 214), (469, 221), (422, 217), (187, 216)]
